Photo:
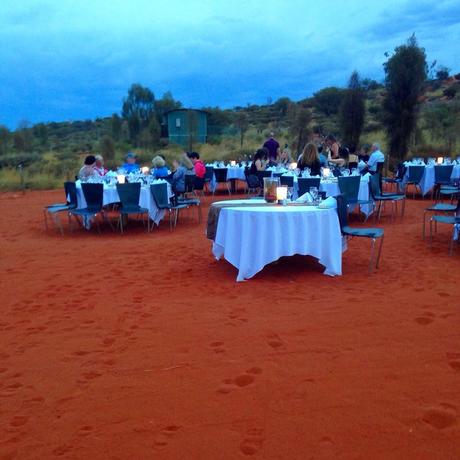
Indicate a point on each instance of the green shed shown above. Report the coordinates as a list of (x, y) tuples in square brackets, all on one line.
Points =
[(187, 126)]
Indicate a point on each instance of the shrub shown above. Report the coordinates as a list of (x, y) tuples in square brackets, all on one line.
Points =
[(450, 92)]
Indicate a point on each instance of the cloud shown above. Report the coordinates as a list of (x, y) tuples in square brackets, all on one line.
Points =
[(71, 60)]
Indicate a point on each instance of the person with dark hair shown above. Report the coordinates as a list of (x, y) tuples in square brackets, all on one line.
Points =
[(309, 158), (198, 165), (364, 153), (333, 151), (273, 147), (259, 162), (88, 168)]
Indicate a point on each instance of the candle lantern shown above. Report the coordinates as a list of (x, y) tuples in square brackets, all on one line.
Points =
[(293, 166), (145, 170), (281, 194), (439, 160), (233, 163), (121, 178), (326, 172), (270, 186)]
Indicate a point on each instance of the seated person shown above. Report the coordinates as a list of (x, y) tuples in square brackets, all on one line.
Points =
[(376, 157), (130, 164), (363, 154), (159, 169), (259, 162), (334, 156), (309, 158), (99, 167), (87, 170), (198, 165), (284, 157), (322, 157), (181, 167)]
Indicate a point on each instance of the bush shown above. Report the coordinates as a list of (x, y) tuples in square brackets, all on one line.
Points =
[(12, 161), (450, 92)]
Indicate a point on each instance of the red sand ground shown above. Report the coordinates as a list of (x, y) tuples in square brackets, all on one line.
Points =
[(143, 346)]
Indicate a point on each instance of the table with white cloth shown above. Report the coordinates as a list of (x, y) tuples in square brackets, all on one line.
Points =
[(252, 237), (145, 199), (427, 182), (233, 173)]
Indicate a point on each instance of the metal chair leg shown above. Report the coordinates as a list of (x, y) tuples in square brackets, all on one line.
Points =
[(423, 225), (379, 253), (372, 255), (45, 216), (451, 244), (431, 232)]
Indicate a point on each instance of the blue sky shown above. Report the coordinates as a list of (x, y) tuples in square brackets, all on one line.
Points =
[(75, 59)]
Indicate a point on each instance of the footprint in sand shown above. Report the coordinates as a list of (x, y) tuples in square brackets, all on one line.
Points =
[(165, 433), (274, 341), (440, 417), (240, 381), (217, 347), (19, 420), (252, 442), (423, 320)]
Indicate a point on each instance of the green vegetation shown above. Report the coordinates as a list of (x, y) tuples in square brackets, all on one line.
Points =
[(409, 115)]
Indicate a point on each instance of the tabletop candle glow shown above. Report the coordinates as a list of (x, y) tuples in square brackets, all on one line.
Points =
[(439, 160), (121, 178), (233, 163), (293, 166), (145, 170), (326, 172), (281, 193)]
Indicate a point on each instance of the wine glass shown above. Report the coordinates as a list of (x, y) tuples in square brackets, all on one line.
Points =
[(314, 193)]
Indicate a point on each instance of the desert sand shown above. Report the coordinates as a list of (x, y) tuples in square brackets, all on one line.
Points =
[(143, 346)]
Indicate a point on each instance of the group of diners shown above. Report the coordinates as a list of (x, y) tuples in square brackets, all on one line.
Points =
[(316, 154), (188, 163)]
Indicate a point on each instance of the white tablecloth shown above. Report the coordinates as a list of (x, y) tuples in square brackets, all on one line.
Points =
[(250, 238), (427, 182), (233, 172), (145, 199)]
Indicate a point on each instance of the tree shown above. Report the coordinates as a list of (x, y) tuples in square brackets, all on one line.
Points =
[(40, 131), (138, 109), (242, 123), (352, 112), (22, 137), (282, 105), (107, 148), (115, 126), (4, 139), (165, 104), (299, 119), (405, 75), (328, 100), (442, 72)]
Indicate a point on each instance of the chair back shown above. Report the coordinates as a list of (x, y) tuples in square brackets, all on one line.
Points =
[(277, 174), (401, 171), (352, 164), (70, 190), (336, 172), (198, 183), (94, 195), (415, 174), (189, 182), (160, 195), (442, 173), (252, 181), (304, 184), (379, 169), (129, 194), (374, 186), (209, 173), (342, 211), (287, 181), (246, 171), (349, 188), (220, 174), (261, 175)]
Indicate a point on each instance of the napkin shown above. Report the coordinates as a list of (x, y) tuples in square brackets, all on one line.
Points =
[(328, 203), (305, 198)]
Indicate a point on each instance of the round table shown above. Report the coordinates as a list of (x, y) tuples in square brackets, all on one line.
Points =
[(254, 236)]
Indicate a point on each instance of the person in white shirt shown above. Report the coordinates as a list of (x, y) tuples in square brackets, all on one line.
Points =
[(376, 157)]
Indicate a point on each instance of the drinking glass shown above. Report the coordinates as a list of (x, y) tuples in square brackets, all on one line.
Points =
[(314, 193)]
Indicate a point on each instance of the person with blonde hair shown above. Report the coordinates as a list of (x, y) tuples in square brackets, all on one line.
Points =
[(100, 168), (181, 167), (309, 158), (159, 169)]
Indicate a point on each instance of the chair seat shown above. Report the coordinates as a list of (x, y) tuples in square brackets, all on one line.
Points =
[(442, 207), (363, 232), (86, 211), (391, 180), (133, 209), (189, 202), (56, 205), (389, 197), (64, 207), (446, 219)]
